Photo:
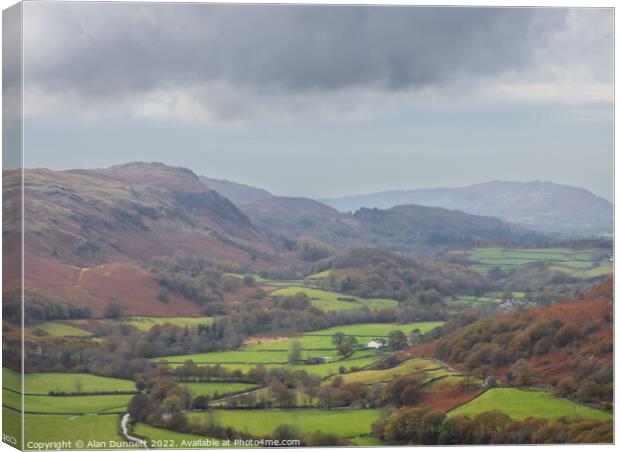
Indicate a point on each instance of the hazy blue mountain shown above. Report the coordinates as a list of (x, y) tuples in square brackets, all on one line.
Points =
[(543, 206)]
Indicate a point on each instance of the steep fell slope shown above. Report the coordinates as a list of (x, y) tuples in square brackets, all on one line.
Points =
[(89, 233)]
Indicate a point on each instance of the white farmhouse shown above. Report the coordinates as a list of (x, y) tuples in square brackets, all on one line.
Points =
[(376, 344)]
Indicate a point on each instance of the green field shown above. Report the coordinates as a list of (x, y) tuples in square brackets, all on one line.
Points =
[(320, 275), (68, 404), (315, 344), (425, 371), (11, 399), (471, 300), (522, 403), (12, 424), (322, 339), (48, 428), (43, 383), (376, 329), (448, 379), (11, 379), (358, 359), (243, 356), (162, 438), (146, 323), (367, 441), (344, 423), (585, 272), (583, 263), (211, 389), (62, 329), (328, 301), (411, 366)]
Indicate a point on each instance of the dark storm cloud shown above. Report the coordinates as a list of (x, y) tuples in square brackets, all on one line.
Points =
[(111, 50)]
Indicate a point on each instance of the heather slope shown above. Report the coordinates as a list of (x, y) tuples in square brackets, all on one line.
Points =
[(566, 345), (91, 234)]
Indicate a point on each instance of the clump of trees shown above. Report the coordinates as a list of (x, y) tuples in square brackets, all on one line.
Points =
[(113, 310), (298, 302), (338, 393), (38, 307), (401, 391), (312, 250), (423, 425), (163, 404), (197, 279), (345, 345), (545, 285), (372, 273)]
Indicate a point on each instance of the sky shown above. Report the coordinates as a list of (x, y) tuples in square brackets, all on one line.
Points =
[(323, 101)]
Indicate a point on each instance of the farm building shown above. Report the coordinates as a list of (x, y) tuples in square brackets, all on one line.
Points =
[(376, 344), (512, 304)]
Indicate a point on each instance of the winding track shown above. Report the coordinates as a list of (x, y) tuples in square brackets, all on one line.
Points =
[(139, 441)]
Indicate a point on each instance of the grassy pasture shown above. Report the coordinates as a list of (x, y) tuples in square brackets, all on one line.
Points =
[(11, 424), (146, 323), (584, 271), (522, 403), (320, 275), (160, 434), (243, 356), (449, 379), (329, 301), (344, 423), (367, 441), (358, 359), (432, 374), (69, 404), (11, 399), (316, 340), (60, 329), (47, 428), (315, 344), (584, 263), (471, 300), (43, 383), (411, 366), (211, 389), (371, 330), (11, 379)]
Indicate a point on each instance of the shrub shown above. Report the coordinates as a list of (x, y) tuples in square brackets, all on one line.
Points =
[(113, 310), (163, 295)]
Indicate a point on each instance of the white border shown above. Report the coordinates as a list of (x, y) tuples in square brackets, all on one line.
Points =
[(523, 3)]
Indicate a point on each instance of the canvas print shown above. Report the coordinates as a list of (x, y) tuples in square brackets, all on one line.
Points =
[(306, 225)]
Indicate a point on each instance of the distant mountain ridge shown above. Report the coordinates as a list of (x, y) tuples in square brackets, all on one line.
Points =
[(542, 206), (410, 229)]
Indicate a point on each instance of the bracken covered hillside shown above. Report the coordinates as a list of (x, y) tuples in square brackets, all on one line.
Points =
[(568, 346), (90, 234)]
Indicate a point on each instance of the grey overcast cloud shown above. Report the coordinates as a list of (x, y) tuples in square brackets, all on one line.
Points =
[(324, 101)]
